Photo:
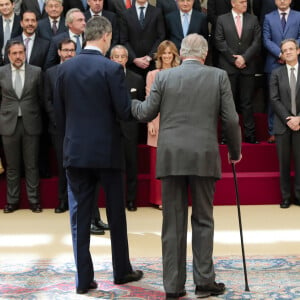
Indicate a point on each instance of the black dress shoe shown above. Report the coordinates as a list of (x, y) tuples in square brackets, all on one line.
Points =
[(9, 208), (93, 285), (285, 203), (36, 208), (297, 202), (100, 224), (223, 141), (212, 289), (175, 295), (251, 140), (96, 230), (61, 208), (133, 276), (131, 206)]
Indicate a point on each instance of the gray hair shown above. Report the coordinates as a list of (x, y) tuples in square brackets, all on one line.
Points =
[(194, 45), (59, 1), (118, 47), (96, 27), (69, 15)]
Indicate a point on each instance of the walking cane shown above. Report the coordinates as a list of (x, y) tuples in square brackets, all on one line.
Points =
[(240, 225)]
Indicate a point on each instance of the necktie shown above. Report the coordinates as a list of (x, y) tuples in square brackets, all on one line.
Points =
[(54, 27), (41, 5), (238, 25), (84, 3), (78, 45), (142, 16), (283, 20), (18, 84), (128, 4), (27, 40), (6, 34), (293, 91), (185, 23)]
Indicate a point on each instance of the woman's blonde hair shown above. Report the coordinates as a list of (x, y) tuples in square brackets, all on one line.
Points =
[(160, 50)]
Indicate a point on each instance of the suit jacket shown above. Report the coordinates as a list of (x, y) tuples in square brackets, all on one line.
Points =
[(33, 5), (168, 6), (30, 101), (16, 30), (68, 4), (117, 6), (280, 96), (216, 8), (228, 43), (263, 7), (112, 17), (89, 115), (187, 141), (39, 51), (273, 35), (198, 24), (44, 29), (142, 41)]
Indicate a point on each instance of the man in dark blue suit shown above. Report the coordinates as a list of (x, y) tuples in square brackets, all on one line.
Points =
[(54, 23), (168, 6), (89, 121), (196, 22)]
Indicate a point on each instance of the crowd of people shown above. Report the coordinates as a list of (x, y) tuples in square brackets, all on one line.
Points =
[(53, 62)]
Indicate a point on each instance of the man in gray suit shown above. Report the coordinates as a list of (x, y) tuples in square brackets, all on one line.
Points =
[(20, 125), (190, 99)]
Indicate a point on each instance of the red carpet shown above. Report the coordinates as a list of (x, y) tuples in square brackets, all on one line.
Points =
[(258, 176)]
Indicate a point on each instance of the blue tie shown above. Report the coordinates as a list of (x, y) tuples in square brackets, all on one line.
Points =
[(41, 5), (185, 24), (78, 45), (142, 16), (283, 20), (84, 3)]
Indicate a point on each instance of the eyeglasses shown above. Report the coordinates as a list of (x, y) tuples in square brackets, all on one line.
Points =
[(68, 50)]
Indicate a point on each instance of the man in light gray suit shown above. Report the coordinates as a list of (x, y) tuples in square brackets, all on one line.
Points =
[(20, 125), (190, 99)]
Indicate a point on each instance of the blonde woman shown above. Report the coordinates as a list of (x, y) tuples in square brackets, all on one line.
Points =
[(166, 57)]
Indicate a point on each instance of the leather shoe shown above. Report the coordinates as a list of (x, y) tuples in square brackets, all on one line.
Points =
[(271, 139), (96, 230), (93, 285), (251, 140), (9, 208), (131, 206), (100, 224), (61, 208), (175, 295), (212, 289), (133, 276), (223, 141), (285, 203), (36, 208), (297, 202)]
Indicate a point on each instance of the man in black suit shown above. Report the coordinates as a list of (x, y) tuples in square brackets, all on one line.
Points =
[(96, 8), (55, 23), (119, 6), (75, 21), (285, 99), (20, 125), (136, 87), (80, 4), (90, 98), (141, 32), (168, 6), (9, 25), (185, 20), (37, 6), (66, 50), (238, 41)]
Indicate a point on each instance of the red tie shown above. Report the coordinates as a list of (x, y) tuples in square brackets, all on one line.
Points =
[(128, 4)]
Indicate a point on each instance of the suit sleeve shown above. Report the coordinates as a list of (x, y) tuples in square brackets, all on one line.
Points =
[(211, 12), (124, 39), (272, 47), (52, 56), (48, 98)]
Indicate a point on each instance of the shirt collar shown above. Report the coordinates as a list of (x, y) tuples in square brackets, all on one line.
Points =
[(295, 67), (188, 13), (89, 47), (286, 11), (32, 37), (144, 5), (51, 20), (20, 69), (99, 13), (235, 14)]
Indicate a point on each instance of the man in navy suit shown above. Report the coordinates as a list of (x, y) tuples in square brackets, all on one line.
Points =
[(90, 99), (75, 21), (80, 4), (9, 24), (168, 6), (54, 23), (275, 30), (196, 22), (285, 98)]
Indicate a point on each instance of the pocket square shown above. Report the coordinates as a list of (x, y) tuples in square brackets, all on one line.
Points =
[(132, 90)]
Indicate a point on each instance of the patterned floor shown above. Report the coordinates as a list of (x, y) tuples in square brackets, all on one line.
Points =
[(269, 278)]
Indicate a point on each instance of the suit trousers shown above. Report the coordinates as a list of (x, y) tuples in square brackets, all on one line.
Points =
[(81, 193), (288, 145), (174, 230), (21, 144), (57, 141), (243, 87)]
